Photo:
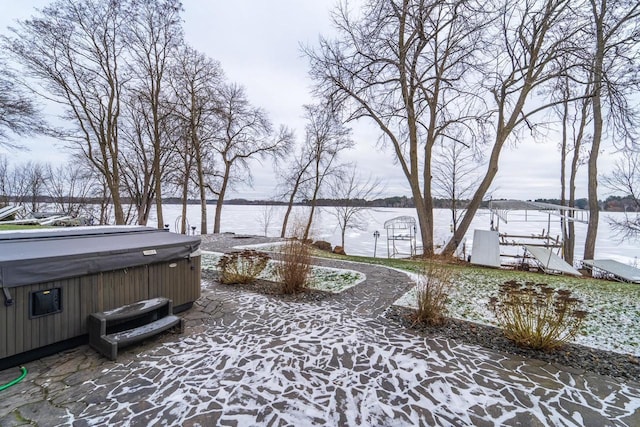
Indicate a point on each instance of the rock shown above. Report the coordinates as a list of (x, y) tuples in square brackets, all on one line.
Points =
[(339, 250), (322, 245)]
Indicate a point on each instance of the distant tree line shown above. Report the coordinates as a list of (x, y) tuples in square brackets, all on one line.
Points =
[(71, 189)]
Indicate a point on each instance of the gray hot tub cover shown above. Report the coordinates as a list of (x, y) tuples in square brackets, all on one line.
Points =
[(44, 256)]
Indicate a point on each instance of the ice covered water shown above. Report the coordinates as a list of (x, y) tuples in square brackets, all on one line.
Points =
[(251, 219)]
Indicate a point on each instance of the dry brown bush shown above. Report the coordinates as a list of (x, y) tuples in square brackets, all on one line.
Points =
[(434, 286), (294, 266), (242, 267), (536, 316)]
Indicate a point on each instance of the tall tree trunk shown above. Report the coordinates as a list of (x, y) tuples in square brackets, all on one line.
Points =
[(285, 221), (426, 226), (307, 229), (221, 194), (114, 187), (203, 210), (563, 173), (594, 208), (202, 187), (185, 195), (203, 199), (158, 186), (314, 201)]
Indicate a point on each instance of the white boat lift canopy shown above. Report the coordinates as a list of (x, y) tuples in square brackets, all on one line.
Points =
[(502, 208)]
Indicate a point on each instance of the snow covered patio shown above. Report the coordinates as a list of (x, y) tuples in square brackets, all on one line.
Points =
[(249, 359)]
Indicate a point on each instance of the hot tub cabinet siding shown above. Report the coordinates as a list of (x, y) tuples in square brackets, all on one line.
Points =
[(175, 274)]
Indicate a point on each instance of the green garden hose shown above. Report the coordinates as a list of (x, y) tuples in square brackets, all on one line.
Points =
[(16, 381)]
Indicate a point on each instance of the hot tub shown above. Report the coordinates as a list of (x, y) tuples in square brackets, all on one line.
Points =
[(51, 280)]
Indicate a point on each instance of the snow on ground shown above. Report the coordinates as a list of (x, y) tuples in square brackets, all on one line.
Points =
[(614, 308), (300, 364), (334, 280)]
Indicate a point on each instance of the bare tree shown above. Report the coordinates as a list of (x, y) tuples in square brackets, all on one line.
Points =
[(526, 39), (29, 183), (454, 177), (625, 180), (294, 176), (15, 183), (73, 52), (265, 217), (18, 112), (326, 136), (244, 132), (574, 112), (4, 181), (100, 191), (181, 166), (614, 30), (69, 185), (351, 192), (405, 64), (136, 162), (155, 34), (196, 80)]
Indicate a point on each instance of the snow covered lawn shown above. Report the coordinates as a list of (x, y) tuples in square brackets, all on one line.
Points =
[(613, 322), (327, 279)]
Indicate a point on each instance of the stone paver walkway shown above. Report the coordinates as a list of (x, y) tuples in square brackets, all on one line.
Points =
[(248, 359)]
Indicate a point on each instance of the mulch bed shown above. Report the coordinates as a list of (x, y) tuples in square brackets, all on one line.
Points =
[(267, 287), (576, 356)]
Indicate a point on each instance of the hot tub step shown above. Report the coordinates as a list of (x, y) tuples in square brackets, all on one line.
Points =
[(130, 324), (143, 332)]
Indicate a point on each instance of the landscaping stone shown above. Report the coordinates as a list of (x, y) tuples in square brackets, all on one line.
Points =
[(322, 245)]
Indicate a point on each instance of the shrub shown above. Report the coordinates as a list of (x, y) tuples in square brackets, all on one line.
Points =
[(294, 266), (322, 245), (242, 267), (433, 287), (536, 316)]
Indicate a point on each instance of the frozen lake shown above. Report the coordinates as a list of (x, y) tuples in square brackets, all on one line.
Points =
[(250, 219)]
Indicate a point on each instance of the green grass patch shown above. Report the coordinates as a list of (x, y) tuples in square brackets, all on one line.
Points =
[(11, 227)]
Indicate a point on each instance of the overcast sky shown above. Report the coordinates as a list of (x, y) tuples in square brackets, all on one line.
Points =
[(258, 43)]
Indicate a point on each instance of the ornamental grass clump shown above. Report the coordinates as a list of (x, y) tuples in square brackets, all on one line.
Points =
[(294, 267), (433, 288), (536, 316), (242, 267)]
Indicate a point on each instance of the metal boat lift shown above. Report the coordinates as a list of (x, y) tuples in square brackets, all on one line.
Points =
[(503, 210)]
